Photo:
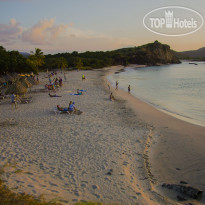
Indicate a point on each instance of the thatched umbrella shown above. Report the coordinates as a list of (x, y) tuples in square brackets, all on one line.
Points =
[(2, 80), (15, 75), (16, 88), (32, 81), (8, 78), (25, 83)]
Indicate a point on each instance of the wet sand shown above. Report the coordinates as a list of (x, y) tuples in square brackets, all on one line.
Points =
[(176, 150)]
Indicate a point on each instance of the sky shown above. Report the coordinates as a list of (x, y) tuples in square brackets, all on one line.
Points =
[(57, 26)]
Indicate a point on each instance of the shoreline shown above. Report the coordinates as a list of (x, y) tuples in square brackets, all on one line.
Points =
[(176, 150), (161, 109)]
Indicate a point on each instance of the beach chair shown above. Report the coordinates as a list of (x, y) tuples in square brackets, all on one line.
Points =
[(26, 100)]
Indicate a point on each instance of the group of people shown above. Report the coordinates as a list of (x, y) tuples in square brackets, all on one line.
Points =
[(117, 83), (71, 107), (111, 97)]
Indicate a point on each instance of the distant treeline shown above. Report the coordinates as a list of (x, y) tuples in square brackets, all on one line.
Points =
[(149, 54)]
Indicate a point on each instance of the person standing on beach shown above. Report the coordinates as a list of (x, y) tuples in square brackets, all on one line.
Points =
[(13, 100), (129, 89), (65, 77), (117, 85), (111, 97)]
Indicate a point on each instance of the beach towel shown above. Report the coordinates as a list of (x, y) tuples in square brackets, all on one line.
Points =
[(76, 94)]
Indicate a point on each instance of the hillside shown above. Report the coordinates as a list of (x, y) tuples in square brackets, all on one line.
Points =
[(193, 54), (149, 54)]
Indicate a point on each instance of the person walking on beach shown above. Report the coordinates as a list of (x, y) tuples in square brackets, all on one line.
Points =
[(117, 85), (129, 89)]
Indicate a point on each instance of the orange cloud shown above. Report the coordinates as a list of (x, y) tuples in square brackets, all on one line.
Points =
[(11, 31), (43, 32)]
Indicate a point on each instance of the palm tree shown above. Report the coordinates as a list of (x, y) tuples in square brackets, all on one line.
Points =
[(78, 63), (37, 58), (62, 63)]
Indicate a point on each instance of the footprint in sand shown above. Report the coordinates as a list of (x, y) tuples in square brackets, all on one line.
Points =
[(77, 194), (52, 184), (54, 191), (125, 163), (134, 197), (94, 187), (34, 191), (97, 196), (83, 185), (21, 182)]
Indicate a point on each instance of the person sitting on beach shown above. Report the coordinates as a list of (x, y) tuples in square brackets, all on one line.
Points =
[(62, 109), (83, 77), (54, 95), (71, 107), (111, 97), (78, 92)]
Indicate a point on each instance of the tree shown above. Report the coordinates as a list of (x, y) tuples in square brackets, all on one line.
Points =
[(37, 58), (62, 63), (4, 60), (78, 63)]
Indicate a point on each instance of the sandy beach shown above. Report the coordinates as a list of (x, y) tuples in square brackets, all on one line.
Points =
[(117, 151), (176, 148)]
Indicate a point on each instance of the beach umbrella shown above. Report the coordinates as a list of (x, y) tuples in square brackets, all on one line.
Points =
[(16, 88), (32, 81), (15, 75), (2, 80)]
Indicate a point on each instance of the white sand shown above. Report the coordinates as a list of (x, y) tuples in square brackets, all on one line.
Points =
[(68, 157)]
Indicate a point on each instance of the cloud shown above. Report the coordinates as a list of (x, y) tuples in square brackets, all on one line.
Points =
[(14, 0), (52, 37), (44, 32), (10, 32)]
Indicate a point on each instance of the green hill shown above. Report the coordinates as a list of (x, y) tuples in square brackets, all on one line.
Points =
[(193, 54), (149, 54)]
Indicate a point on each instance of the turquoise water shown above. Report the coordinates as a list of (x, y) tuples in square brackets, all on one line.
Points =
[(177, 89)]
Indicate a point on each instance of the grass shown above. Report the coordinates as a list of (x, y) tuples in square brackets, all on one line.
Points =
[(7, 197), (88, 203)]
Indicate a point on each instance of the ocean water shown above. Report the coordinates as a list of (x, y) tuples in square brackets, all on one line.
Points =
[(177, 89)]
